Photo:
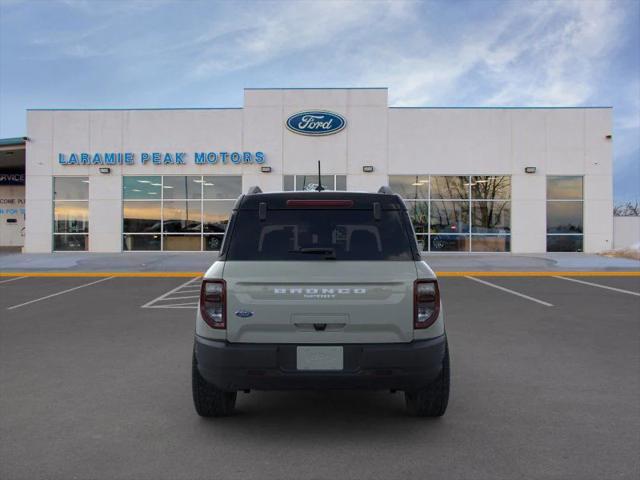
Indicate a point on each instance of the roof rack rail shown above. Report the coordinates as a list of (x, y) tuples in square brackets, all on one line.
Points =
[(386, 190), (253, 190)]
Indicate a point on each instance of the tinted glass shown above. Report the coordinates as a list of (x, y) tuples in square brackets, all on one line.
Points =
[(287, 183), (564, 243), (222, 186), (71, 188), (140, 242), (419, 215), (319, 235), (181, 216), (410, 186), (491, 243), (564, 217), (423, 242), (71, 217), (449, 243), (182, 187), (341, 183), (213, 242), (141, 187), (450, 217), (216, 215), (70, 242), (490, 217), (564, 188), (310, 182), (490, 187), (182, 242), (450, 187), (140, 217)]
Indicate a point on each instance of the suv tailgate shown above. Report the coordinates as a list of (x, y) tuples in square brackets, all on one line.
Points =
[(320, 302)]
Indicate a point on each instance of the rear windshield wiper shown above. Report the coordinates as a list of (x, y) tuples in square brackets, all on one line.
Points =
[(329, 252)]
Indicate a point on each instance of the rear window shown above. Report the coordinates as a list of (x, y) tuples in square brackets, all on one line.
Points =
[(307, 234)]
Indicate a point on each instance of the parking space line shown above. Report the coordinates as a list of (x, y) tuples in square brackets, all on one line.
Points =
[(12, 279), (513, 292), (58, 293), (150, 304), (620, 290)]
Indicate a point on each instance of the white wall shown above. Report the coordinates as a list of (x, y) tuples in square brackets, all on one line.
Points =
[(626, 231), (437, 141)]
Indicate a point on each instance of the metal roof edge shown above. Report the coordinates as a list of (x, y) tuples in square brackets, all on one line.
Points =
[(127, 109), (505, 108), (12, 141)]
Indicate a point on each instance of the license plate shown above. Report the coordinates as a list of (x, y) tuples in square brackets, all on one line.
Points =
[(319, 358)]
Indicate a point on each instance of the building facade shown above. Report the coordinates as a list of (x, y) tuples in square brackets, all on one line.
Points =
[(474, 179)]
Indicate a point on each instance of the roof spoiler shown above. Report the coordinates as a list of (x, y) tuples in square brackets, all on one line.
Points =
[(385, 190), (253, 190)]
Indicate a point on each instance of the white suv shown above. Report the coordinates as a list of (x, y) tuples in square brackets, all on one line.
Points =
[(320, 290)]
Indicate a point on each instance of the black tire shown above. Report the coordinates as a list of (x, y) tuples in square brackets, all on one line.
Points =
[(209, 400), (432, 400)]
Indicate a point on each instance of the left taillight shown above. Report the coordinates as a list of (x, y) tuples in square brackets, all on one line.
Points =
[(426, 303), (213, 295)]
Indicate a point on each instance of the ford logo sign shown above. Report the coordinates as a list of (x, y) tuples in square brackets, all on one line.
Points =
[(244, 314), (316, 122)]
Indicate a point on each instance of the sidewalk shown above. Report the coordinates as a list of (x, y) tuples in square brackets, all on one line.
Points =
[(155, 262)]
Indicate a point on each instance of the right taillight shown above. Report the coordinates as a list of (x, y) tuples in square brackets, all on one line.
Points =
[(426, 303), (212, 303)]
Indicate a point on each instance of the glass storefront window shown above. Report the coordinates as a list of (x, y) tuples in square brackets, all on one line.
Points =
[(450, 187), (410, 186), (564, 188), (71, 188), (140, 242), (449, 243), (141, 217), (310, 182), (449, 217), (141, 187), (419, 214), (182, 243), (564, 217), (564, 243), (178, 210), (564, 213), (490, 243), (181, 216), (212, 242), (71, 217), (216, 216), (184, 187), (490, 187), (447, 210), (70, 242), (222, 187), (491, 217), (70, 213)]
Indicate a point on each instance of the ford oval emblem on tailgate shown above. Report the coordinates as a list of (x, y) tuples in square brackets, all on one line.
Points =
[(244, 314), (316, 122)]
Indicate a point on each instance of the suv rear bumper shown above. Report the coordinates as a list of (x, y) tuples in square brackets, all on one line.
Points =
[(382, 366)]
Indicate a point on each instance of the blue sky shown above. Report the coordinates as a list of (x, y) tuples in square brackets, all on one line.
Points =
[(91, 53)]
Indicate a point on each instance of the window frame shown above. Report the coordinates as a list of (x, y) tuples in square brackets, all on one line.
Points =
[(563, 200), (54, 200), (295, 180), (162, 233), (425, 239)]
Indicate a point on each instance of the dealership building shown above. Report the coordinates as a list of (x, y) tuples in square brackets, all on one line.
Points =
[(504, 179)]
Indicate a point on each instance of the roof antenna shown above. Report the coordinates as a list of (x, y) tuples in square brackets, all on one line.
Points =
[(319, 188)]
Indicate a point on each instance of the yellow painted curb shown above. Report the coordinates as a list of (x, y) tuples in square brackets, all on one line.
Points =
[(539, 274), (103, 274), (440, 274)]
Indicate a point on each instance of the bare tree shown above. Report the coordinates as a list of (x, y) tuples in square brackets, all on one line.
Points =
[(628, 209)]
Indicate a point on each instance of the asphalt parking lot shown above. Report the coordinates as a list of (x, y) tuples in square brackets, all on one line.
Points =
[(545, 384)]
